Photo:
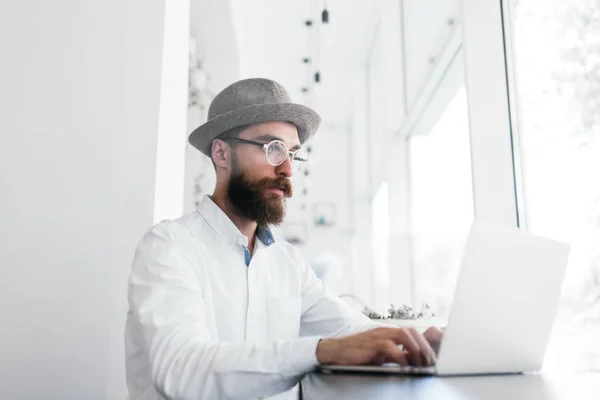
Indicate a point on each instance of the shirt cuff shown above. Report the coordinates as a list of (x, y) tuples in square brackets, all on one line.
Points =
[(301, 356)]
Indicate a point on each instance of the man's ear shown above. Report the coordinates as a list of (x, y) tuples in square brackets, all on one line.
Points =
[(220, 153)]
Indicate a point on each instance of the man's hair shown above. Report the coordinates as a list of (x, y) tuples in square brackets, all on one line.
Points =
[(235, 132)]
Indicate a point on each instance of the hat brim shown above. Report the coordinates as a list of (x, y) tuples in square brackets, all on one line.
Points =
[(306, 121)]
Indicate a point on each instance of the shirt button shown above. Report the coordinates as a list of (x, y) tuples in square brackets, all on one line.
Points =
[(240, 241)]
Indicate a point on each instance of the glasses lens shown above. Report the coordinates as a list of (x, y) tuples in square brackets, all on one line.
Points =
[(276, 152), (300, 159), (301, 156)]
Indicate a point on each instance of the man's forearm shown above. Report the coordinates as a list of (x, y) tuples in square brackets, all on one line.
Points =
[(230, 370)]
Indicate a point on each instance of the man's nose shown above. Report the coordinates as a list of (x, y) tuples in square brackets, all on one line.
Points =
[(285, 168)]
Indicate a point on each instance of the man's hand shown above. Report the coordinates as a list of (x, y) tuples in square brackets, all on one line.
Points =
[(434, 337), (376, 347)]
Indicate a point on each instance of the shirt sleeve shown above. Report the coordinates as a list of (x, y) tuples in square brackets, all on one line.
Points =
[(186, 361), (326, 314)]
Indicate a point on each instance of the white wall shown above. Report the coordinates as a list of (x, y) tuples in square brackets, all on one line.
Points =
[(330, 154), (426, 33), (220, 56), (80, 103)]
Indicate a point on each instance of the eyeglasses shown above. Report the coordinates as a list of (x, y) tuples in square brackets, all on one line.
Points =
[(276, 152)]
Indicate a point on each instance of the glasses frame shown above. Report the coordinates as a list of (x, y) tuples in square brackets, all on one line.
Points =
[(265, 147)]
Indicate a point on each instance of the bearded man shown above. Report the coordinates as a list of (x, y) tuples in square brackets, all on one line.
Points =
[(219, 309)]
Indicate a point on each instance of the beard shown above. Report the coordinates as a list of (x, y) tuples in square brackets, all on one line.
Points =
[(250, 199)]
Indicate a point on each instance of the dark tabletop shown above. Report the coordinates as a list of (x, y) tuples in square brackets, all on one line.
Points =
[(495, 387)]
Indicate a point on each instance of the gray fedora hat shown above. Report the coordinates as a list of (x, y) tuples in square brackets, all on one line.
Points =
[(251, 101)]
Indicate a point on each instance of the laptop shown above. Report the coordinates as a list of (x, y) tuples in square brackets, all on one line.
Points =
[(504, 306)]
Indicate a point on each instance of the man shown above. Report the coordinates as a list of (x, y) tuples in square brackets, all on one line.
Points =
[(218, 309)]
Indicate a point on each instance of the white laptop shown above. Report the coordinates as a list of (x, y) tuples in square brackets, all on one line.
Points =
[(504, 306)]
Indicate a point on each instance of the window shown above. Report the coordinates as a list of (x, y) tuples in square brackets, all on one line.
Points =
[(441, 199), (556, 60)]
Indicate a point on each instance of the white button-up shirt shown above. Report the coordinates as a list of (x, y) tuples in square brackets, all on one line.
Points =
[(207, 321)]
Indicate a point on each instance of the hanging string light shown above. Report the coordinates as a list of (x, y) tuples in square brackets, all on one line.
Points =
[(325, 14), (307, 60), (317, 44), (310, 57)]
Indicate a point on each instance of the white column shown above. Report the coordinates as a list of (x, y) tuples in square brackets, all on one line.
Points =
[(81, 105), (401, 268), (172, 121), (489, 118), (360, 198)]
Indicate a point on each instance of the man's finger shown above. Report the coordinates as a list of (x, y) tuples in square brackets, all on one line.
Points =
[(403, 337), (434, 336), (427, 352), (395, 354)]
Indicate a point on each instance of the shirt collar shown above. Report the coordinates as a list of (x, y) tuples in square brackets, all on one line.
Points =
[(265, 235), (224, 227)]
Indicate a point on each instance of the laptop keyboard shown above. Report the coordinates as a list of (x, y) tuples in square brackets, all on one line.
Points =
[(409, 369), (385, 369)]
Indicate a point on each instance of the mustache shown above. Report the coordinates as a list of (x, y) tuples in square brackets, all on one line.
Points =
[(278, 183)]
